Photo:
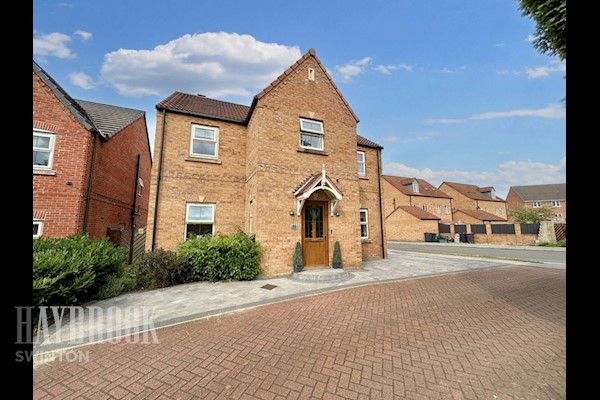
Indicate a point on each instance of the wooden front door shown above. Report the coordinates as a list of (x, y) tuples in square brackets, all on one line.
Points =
[(315, 249)]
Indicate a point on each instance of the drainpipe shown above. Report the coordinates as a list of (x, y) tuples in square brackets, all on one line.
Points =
[(162, 145), (380, 200), (133, 204), (88, 198)]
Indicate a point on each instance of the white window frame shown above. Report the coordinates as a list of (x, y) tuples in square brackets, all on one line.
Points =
[(363, 163), (537, 204), (438, 209), (215, 141), (448, 210), (140, 187), (415, 187), (311, 132), (198, 222), (497, 211), (425, 207), (366, 223), (555, 203), (52, 137), (487, 209), (40, 225), (502, 211)]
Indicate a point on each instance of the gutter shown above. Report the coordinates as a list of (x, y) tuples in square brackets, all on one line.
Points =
[(88, 198), (158, 175), (380, 202)]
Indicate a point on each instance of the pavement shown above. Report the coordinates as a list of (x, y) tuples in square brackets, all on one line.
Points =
[(484, 246), (181, 303), (482, 330)]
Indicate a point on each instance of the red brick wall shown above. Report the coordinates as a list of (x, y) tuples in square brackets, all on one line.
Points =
[(114, 180), (59, 204)]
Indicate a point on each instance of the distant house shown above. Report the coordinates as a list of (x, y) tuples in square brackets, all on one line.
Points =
[(466, 216), (553, 196), (91, 163), (409, 223), (288, 168), (401, 191), (472, 197)]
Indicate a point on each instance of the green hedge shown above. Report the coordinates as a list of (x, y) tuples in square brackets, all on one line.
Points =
[(73, 270), (222, 257), (161, 268)]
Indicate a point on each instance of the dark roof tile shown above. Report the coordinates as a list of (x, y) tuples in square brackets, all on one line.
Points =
[(556, 191), (473, 191), (205, 107), (426, 189), (481, 215), (110, 119), (363, 141), (418, 212)]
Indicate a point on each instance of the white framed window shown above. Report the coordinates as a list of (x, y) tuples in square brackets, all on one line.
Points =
[(199, 219), (311, 134), (487, 209), (204, 141), (361, 163), (438, 209), (43, 148), (502, 211), (311, 74), (425, 207), (448, 210), (38, 228), (415, 187), (537, 204), (497, 211), (140, 186), (555, 203), (364, 223)]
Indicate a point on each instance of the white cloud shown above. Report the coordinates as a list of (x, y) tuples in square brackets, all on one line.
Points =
[(444, 121), (65, 5), (83, 35), (544, 71), (531, 38), (353, 68), (511, 173), (412, 138), (448, 70), (499, 45), (552, 111), (387, 69), (213, 63), (504, 153), (52, 44), (82, 80)]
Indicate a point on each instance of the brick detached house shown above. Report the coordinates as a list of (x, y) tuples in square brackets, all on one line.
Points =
[(413, 207), (91, 163), (467, 197), (289, 168), (553, 196)]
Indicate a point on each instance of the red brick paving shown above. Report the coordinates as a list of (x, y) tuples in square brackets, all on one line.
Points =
[(490, 334)]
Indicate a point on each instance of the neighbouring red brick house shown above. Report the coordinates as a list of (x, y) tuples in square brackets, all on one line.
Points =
[(91, 163), (552, 196)]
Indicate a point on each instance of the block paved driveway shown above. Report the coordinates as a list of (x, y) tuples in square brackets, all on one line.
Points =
[(489, 334)]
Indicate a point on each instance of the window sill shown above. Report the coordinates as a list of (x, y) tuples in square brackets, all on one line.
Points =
[(311, 151), (363, 177), (203, 160), (366, 240), (39, 171)]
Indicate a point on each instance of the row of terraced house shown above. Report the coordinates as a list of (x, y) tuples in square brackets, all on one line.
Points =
[(290, 167)]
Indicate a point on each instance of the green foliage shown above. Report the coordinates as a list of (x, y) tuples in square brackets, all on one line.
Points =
[(551, 25), (222, 257), (337, 253), (532, 215), (298, 262), (71, 271), (560, 243), (161, 268)]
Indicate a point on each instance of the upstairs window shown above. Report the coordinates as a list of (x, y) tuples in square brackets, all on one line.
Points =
[(425, 207), (43, 149), (438, 209), (204, 141), (537, 204), (447, 209), (555, 203), (361, 163), (311, 134), (415, 187)]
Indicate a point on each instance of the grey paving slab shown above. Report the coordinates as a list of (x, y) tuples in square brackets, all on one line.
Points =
[(187, 302)]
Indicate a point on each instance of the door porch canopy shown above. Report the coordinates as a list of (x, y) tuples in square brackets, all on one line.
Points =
[(315, 183)]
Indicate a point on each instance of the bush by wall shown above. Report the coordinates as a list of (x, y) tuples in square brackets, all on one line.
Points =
[(73, 270), (222, 257), (161, 268)]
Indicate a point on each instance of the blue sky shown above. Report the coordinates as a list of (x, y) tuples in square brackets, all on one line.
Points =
[(453, 90)]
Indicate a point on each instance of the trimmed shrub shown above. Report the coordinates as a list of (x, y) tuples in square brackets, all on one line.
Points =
[(161, 268), (72, 270), (298, 261), (222, 257), (337, 255)]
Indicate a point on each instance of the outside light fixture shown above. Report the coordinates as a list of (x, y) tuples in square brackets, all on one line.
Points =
[(292, 213)]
